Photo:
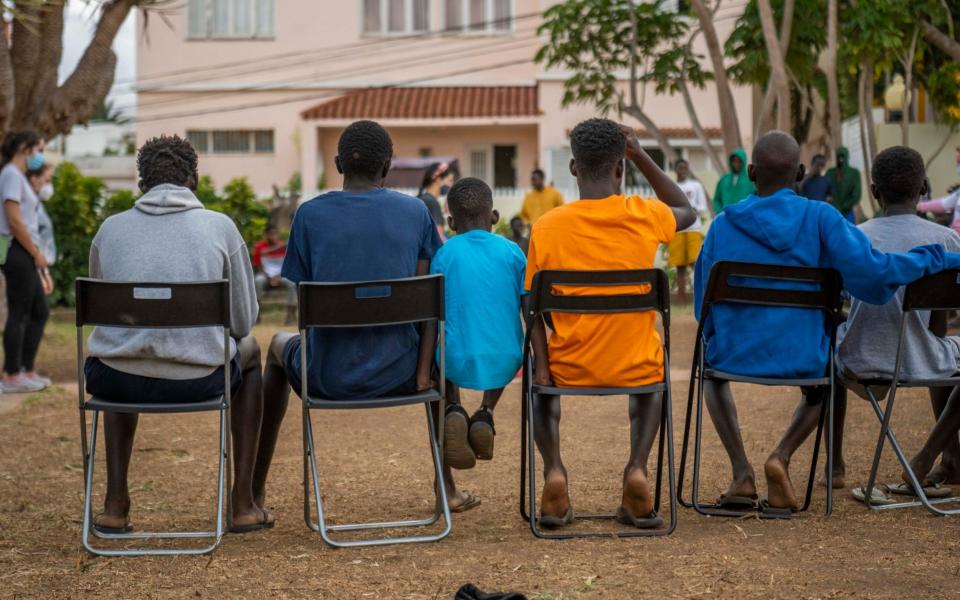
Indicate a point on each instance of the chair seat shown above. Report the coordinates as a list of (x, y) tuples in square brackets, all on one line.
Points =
[(917, 383), (99, 404), (773, 381), (597, 391), (418, 398)]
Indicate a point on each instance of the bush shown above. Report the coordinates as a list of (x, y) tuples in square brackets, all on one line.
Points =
[(80, 204)]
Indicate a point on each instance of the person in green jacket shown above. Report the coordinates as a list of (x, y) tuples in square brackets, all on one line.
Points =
[(734, 186), (846, 185)]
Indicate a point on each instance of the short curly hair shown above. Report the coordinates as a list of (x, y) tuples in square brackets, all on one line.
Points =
[(899, 173), (363, 149), (167, 159), (470, 200), (597, 145)]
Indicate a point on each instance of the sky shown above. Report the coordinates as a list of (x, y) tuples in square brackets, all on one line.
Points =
[(79, 25)]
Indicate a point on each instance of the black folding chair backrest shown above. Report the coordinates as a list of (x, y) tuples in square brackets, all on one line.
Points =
[(546, 295), (934, 292), (824, 293), (153, 305), (371, 303)]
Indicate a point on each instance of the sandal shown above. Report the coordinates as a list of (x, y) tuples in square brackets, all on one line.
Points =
[(482, 433), (651, 521), (878, 496), (267, 523), (737, 503), (111, 530), (457, 453), (470, 502), (553, 522), (932, 490)]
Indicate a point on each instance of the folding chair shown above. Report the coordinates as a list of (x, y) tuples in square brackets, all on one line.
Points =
[(153, 305), (935, 292), (543, 301), (372, 304), (771, 286)]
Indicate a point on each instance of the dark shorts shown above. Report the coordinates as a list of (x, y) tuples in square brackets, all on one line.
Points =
[(292, 348), (814, 395), (116, 386)]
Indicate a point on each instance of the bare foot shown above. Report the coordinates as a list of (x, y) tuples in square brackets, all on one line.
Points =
[(115, 515), (637, 499), (944, 474), (839, 477), (744, 485), (555, 500), (780, 492), (250, 516)]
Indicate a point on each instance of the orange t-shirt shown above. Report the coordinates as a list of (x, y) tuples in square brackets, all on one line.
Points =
[(612, 350)]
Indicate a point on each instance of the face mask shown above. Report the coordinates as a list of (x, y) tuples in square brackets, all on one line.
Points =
[(46, 192), (35, 161), (444, 190)]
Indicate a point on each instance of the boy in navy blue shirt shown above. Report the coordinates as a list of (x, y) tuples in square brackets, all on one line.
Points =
[(483, 282), (364, 232)]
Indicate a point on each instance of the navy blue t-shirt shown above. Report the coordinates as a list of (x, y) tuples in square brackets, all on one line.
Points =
[(345, 236), (816, 187)]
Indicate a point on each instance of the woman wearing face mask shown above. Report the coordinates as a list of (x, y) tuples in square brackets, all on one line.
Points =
[(437, 180), (41, 183), (27, 312)]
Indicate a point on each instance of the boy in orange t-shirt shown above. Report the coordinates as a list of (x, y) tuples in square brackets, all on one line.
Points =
[(604, 230)]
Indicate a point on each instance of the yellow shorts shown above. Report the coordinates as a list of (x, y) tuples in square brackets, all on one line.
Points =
[(684, 248)]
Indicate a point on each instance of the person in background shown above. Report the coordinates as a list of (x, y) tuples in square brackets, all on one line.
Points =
[(41, 182), (437, 180), (845, 181), (946, 207), (817, 186), (685, 245), (540, 199), (23, 261), (268, 256), (734, 186), (518, 234)]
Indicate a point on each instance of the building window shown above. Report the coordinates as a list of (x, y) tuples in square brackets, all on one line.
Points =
[(494, 16), (232, 141), (230, 19), (384, 17)]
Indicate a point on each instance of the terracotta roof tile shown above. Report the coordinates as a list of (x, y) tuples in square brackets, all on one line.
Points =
[(683, 133), (447, 102)]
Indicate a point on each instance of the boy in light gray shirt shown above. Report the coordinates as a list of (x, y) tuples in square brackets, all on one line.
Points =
[(867, 342), (168, 236)]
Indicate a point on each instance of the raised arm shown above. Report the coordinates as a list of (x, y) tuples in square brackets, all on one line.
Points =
[(663, 186)]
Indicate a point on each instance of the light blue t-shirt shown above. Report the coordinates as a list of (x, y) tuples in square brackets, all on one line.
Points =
[(483, 281)]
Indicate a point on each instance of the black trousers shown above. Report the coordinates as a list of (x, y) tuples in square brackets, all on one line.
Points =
[(27, 311)]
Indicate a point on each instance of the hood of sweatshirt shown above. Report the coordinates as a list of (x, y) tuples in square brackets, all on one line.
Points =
[(742, 155), (167, 198), (769, 220), (843, 152)]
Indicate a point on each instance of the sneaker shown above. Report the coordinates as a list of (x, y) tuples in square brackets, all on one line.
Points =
[(482, 433), (38, 378), (20, 384)]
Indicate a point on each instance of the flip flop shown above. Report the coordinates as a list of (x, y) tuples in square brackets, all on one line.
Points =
[(932, 490), (552, 522), (878, 496), (457, 453), (734, 502), (775, 512), (111, 530), (482, 433), (471, 502), (266, 523), (651, 521)]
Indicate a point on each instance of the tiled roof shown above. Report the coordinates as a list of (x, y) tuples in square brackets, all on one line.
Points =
[(683, 133), (430, 103)]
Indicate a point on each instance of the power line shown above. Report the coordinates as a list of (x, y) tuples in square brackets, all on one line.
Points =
[(299, 54), (302, 98)]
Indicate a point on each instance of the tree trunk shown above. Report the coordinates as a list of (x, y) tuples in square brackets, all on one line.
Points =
[(85, 89), (698, 128), (765, 118), (7, 86), (669, 154), (867, 143), (24, 53), (940, 40), (778, 69), (907, 63), (830, 69), (728, 111)]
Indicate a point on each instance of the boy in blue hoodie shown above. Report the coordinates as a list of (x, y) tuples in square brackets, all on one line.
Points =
[(776, 226)]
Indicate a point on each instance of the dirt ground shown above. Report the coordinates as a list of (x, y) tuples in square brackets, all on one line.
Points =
[(375, 465)]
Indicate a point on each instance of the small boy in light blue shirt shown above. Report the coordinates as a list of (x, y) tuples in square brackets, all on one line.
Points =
[(483, 275)]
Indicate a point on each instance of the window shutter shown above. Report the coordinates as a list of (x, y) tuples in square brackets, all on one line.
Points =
[(265, 18), (197, 18), (371, 16)]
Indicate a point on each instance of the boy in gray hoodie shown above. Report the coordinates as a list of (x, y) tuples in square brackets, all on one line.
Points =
[(168, 236)]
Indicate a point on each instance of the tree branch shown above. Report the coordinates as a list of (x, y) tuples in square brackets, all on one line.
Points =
[(669, 154), (943, 144), (729, 120), (765, 118), (940, 40), (777, 65), (698, 128)]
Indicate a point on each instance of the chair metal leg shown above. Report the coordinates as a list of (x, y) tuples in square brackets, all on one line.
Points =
[(87, 529), (691, 389), (441, 506)]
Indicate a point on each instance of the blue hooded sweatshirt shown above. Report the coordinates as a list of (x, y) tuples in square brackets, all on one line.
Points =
[(787, 229)]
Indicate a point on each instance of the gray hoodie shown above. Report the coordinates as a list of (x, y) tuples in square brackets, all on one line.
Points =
[(169, 236)]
